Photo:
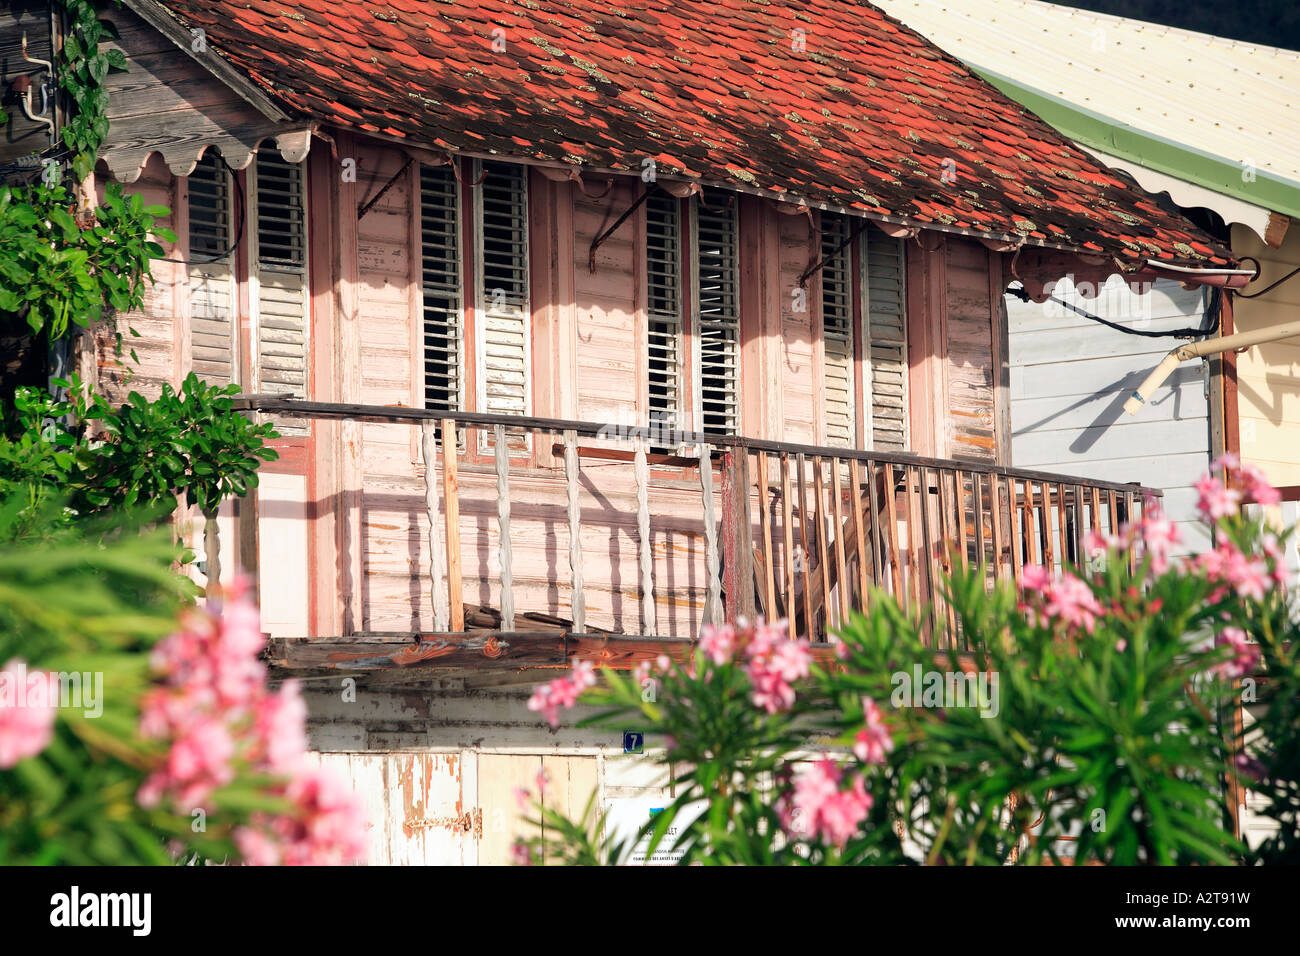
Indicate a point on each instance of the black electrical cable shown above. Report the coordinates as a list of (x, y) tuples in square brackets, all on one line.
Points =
[(1255, 295), (239, 231), (1214, 308)]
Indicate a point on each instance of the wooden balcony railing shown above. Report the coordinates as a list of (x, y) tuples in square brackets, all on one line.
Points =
[(789, 531)]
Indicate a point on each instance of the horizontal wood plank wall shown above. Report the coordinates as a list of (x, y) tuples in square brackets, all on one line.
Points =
[(168, 103), (154, 332), (927, 394), (1268, 380), (970, 359), (799, 373), (606, 305), (1070, 377)]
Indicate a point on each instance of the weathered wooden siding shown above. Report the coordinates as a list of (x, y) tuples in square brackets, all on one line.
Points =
[(799, 347), (971, 365), (168, 105), (438, 769), (607, 300), (1070, 378), (1268, 376)]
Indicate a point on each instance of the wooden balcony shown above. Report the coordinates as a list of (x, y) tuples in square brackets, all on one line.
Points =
[(805, 533)]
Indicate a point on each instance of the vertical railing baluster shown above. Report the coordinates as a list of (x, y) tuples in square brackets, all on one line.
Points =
[(437, 573), (995, 518), (823, 552), (765, 528), (645, 557), (505, 551), (451, 508), (841, 559), (891, 520), (805, 557), (1045, 525), (877, 539), (787, 536), (1015, 515), (713, 597), (856, 503), (577, 596)]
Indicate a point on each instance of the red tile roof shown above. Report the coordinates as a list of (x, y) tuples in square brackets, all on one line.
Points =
[(867, 116)]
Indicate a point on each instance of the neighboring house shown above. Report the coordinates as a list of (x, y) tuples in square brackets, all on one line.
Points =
[(1213, 124), (587, 327), (1210, 122)]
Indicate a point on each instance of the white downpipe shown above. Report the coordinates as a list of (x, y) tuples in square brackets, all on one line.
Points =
[(1207, 347)]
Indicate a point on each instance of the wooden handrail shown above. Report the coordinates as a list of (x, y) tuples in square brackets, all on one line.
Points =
[(846, 522)]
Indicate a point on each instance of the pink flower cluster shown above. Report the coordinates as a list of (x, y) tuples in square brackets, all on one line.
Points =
[(817, 807), (562, 692), (1245, 656), (774, 663), (217, 714), (26, 722), (1244, 574), (1066, 598), (1242, 482), (873, 741)]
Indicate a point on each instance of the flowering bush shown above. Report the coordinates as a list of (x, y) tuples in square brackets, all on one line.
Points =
[(171, 745), (1091, 721)]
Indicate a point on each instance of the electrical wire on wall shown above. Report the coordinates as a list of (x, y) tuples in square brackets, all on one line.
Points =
[(1209, 326), (239, 227)]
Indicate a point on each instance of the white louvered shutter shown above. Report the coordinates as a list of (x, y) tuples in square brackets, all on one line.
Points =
[(664, 309), (211, 284), (718, 311), (837, 332), (281, 266), (887, 333), (503, 291), (444, 340)]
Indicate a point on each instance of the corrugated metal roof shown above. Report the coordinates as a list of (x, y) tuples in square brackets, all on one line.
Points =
[(1235, 101)]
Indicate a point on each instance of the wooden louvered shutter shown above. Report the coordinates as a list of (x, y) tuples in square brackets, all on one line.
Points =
[(886, 331), (718, 311), (664, 310), (280, 266), (211, 283), (444, 341), (837, 332), (503, 290)]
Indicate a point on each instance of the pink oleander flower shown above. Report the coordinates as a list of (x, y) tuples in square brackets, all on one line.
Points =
[(1067, 598), (26, 721), (1159, 536), (562, 692), (774, 663), (200, 761), (1245, 574), (818, 808), (873, 741), (1071, 600), (521, 854), (1244, 658), (327, 824), (718, 643), (1216, 500), (1034, 578), (280, 722)]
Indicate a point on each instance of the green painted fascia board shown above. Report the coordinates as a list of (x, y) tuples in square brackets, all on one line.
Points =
[(1147, 149)]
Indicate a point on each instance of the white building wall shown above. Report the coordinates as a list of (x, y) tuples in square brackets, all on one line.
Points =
[(1070, 377)]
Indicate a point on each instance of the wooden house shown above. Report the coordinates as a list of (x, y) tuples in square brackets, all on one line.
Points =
[(584, 327)]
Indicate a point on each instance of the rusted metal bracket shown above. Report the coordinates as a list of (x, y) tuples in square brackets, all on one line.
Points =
[(595, 243), (387, 186), (816, 267)]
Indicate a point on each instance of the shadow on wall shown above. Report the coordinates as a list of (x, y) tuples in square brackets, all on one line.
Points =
[(1118, 392)]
